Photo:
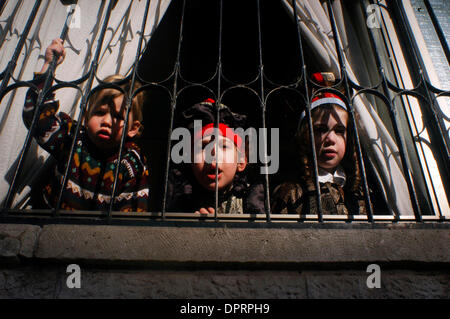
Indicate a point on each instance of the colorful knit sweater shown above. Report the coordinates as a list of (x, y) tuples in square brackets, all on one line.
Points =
[(91, 175)]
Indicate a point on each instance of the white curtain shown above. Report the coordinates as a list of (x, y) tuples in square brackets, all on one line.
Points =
[(117, 56), (375, 138)]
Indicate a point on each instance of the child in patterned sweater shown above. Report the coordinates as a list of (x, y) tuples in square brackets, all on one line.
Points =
[(92, 167)]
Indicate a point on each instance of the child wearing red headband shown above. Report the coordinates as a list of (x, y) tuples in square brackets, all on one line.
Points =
[(338, 171), (192, 186)]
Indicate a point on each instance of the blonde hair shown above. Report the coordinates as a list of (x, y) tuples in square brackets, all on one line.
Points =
[(136, 105)]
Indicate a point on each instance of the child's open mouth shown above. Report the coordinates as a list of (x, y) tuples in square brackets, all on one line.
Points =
[(104, 135), (213, 176), (329, 154)]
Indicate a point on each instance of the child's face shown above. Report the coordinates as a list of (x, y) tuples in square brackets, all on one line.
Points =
[(330, 136), (205, 162), (106, 121)]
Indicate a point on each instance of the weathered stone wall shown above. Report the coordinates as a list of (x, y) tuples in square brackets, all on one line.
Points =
[(50, 282), (230, 261)]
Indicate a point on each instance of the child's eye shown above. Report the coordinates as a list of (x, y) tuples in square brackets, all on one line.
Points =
[(104, 101), (223, 144), (99, 112), (320, 129), (341, 130)]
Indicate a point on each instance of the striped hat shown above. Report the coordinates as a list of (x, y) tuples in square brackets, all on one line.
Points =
[(326, 98)]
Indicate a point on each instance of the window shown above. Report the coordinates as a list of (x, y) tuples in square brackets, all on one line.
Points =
[(255, 57)]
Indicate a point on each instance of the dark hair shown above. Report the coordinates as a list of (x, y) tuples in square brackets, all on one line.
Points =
[(206, 111)]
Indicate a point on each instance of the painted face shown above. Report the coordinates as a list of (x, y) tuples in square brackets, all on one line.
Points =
[(205, 162), (106, 121), (330, 135)]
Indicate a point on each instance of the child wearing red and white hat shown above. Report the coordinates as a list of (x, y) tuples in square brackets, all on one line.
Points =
[(192, 185), (338, 169)]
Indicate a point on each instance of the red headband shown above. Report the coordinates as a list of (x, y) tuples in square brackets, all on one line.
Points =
[(224, 130)]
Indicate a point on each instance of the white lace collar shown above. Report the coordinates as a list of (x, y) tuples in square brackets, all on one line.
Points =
[(338, 177)]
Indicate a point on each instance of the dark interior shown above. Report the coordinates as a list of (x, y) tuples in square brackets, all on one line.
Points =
[(240, 52)]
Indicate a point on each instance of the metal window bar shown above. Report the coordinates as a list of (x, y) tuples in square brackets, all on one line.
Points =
[(84, 101), (4, 90), (438, 29), (263, 100), (129, 101), (348, 94), (308, 115), (426, 94), (400, 142), (431, 110), (176, 75), (399, 93), (6, 75), (217, 107)]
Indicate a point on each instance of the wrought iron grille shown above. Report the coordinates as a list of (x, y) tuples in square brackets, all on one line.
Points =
[(262, 87)]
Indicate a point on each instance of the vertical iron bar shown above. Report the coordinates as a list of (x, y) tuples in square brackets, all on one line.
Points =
[(172, 110), (216, 155), (129, 102), (47, 85), (65, 29), (438, 30), (92, 72), (401, 144), (437, 131), (351, 112), (13, 63), (308, 116), (2, 4), (263, 101), (217, 108)]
